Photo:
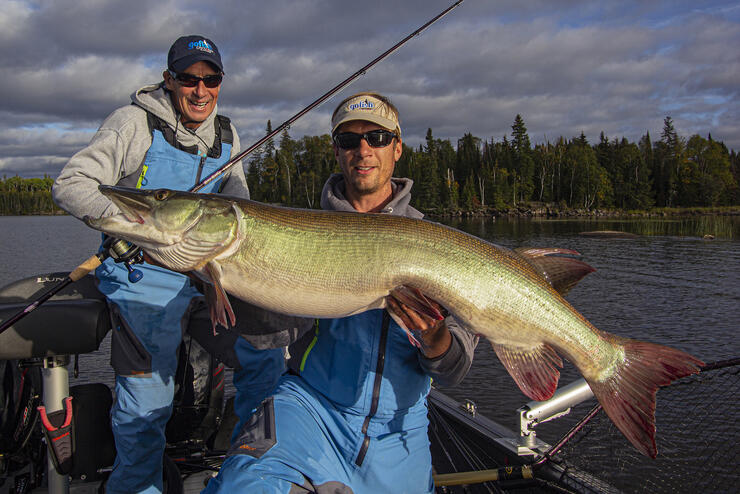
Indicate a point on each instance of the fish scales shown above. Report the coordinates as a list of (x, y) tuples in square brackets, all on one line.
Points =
[(494, 297), (331, 264)]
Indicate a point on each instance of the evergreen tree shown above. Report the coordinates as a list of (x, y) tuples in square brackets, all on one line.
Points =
[(671, 156), (469, 199), (269, 179), (429, 185), (523, 162), (286, 161), (468, 156)]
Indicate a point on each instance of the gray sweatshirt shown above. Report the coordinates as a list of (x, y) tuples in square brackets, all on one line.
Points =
[(118, 149)]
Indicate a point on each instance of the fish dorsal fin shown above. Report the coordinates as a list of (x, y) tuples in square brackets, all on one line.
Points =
[(218, 301), (534, 370), (562, 272)]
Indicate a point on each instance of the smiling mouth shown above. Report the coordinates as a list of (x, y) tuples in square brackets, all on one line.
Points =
[(199, 106), (364, 169)]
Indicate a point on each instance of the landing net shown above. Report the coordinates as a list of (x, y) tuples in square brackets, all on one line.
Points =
[(698, 423)]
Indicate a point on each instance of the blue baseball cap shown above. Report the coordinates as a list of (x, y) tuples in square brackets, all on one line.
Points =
[(188, 50)]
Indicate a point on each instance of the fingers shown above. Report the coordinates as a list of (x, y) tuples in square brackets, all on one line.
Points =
[(411, 318)]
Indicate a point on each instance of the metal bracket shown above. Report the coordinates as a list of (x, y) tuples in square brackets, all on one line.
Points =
[(535, 413)]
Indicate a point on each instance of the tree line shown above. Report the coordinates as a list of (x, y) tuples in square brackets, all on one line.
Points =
[(24, 196), (672, 171), (570, 173)]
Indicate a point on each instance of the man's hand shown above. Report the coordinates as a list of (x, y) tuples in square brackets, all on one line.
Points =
[(435, 337)]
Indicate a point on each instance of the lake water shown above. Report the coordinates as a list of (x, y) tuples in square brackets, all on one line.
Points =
[(668, 285)]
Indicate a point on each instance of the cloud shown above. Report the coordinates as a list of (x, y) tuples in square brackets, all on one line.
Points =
[(567, 67)]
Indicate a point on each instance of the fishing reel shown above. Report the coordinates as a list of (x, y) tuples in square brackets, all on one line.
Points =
[(126, 253)]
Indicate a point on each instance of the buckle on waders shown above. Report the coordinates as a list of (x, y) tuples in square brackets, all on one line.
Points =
[(59, 433)]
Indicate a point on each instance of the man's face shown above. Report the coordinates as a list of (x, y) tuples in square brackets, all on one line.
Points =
[(366, 169), (193, 103)]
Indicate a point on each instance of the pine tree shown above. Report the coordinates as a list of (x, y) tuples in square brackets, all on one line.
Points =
[(671, 164), (523, 162), (269, 183)]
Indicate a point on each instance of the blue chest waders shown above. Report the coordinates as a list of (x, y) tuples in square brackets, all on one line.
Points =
[(149, 323)]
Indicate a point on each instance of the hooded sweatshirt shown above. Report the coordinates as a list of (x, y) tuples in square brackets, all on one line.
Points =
[(119, 147)]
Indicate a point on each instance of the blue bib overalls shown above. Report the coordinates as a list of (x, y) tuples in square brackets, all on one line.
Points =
[(353, 421), (151, 317)]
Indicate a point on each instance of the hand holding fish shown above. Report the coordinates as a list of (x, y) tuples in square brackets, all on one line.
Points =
[(435, 336)]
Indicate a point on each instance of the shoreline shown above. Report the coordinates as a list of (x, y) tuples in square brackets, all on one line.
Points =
[(540, 211)]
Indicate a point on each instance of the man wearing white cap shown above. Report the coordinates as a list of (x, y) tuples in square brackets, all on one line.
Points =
[(352, 415)]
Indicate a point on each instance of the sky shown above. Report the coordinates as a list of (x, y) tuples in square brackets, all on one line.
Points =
[(566, 66)]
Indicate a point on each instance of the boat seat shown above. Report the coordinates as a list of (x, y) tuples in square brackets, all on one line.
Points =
[(73, 321)]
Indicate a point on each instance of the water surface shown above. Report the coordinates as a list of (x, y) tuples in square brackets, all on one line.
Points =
[(669, 285)]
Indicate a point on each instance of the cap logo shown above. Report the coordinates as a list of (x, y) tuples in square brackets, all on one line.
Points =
[(362, 105), (201, 45)]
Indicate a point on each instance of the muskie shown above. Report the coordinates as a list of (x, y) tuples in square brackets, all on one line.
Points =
[(330, 264)]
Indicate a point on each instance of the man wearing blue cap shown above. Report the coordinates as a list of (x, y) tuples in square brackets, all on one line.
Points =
[(169, 137)]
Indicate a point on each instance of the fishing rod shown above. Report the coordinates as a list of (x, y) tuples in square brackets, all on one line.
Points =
[(120, 250), (236, 159), (128, 254)]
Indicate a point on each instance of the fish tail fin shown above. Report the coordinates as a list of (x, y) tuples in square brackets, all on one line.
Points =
[(628, 395)]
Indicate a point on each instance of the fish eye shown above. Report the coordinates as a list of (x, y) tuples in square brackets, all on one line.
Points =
[(161, 194)]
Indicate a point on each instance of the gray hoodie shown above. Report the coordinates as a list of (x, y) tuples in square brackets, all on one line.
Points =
[(451, 367), (118, 149), (333, 198)]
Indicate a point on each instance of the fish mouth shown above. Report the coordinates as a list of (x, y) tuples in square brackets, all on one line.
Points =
[(134, 222), (133, 203)]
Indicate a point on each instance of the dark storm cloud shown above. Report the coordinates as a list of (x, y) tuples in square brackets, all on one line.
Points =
[(567, 67)]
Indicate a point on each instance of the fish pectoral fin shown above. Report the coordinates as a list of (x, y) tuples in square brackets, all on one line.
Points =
[(218, 301), (562, 272), (535, 370), (413, 298)]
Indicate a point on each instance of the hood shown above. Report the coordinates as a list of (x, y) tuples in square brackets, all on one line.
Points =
[(156, 100), (333, 198)]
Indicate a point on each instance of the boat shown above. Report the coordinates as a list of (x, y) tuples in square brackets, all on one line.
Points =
[(471, 453)]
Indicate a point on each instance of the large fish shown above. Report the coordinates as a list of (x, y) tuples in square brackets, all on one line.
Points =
[(332, 264)]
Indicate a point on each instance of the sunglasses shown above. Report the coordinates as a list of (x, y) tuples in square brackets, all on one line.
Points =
[(375, 138), (190, 80)]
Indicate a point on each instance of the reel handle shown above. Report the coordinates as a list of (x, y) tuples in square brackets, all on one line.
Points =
[(126, 253), (134, 275)]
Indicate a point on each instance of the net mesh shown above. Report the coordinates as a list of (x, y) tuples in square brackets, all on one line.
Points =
[(698, 422)]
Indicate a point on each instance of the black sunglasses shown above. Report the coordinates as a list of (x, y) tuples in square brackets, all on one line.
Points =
[(189, 80), (375, 138)]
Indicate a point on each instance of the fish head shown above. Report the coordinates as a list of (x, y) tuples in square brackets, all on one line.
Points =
[(180, 230)]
